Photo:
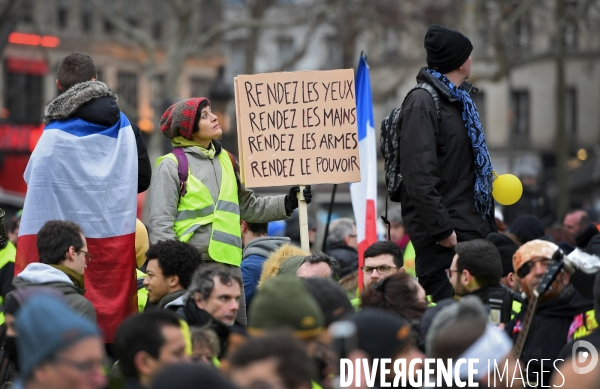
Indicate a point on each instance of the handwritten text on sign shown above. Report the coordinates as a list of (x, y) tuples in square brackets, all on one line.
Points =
[(297, 128)]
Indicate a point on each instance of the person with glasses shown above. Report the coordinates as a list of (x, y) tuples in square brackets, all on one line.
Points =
[(58, 348), (563, 313), (64, 256), (382, 259)]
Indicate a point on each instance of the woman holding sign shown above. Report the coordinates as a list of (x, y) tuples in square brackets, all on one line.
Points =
[(196, 195)]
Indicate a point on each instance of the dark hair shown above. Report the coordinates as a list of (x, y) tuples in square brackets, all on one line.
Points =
[(385, 247), (75, 68), (330, 296), (318, 257), (482, 259), (258, 228), (203, 104), (397, 294), (141, 332), (293, 363), (55, 238), (176, 258), (203, 279)]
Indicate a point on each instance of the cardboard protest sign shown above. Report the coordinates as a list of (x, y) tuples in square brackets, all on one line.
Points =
[(297, 128)]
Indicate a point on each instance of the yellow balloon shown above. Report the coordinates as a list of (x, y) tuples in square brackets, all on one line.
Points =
[(507, 189)]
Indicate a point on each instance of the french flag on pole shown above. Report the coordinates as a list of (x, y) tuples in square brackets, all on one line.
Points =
[(364, 193), (87, 173)]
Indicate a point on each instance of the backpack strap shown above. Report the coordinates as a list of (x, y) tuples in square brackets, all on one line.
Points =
[(436, 101), (182, 169)]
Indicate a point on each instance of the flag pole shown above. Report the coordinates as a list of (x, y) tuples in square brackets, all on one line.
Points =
[(324, 245)]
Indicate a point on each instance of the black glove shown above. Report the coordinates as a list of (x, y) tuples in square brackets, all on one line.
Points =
[(291, 199)]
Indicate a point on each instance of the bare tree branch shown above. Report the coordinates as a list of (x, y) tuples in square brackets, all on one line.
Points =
[(298, 54)]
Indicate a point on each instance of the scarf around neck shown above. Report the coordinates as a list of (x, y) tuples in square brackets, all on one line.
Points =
[(481, 155), (180, 141), (73, 276)]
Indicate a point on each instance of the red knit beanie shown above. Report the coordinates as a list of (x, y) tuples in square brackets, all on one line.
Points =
[(180, 119)]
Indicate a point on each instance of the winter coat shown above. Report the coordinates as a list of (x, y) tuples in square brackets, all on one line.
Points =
[(437, 193), (41, 274), (346, 256), (196, 317), (254, 255), (105, 112), (164, 196), (549, 329), (532, 202)]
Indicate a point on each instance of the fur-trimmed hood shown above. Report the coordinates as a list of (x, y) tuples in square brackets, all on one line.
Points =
[(63, 106), (272, 265)]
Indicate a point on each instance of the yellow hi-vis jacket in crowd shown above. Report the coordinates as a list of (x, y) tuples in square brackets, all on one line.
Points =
[(197, 208)]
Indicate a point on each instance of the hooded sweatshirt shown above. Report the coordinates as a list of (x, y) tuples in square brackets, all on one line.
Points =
[(37, 273), (254, 255)]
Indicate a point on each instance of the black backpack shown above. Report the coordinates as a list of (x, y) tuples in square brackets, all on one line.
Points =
[(390, 142), (390, 146)]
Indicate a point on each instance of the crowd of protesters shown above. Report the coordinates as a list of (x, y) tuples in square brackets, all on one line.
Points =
[(221, 303)]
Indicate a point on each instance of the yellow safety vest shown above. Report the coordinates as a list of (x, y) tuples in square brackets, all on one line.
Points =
[(197, 208), (7, 255), (142, 292)]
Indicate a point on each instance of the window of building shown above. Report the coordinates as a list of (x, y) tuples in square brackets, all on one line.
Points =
[(131, 12), (479, 100), (63, 13), (285, 49), (127, 89), (27, 11), (86, 15), (238, 57), (571, 115), (520, 115), (522, 34), (335, 53), (23, 92), (199, 86), (571, 30)]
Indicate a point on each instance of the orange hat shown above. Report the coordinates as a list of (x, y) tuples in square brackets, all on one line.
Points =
[(533, 249)]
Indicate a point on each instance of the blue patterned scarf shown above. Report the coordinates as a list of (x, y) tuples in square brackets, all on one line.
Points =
[(481, 156)]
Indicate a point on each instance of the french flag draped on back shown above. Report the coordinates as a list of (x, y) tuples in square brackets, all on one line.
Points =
[(87, 173), (364, 193)]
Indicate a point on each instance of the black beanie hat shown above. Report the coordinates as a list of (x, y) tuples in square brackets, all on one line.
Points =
[(507, 248), (330, 296), (527, 228), (446, 49)]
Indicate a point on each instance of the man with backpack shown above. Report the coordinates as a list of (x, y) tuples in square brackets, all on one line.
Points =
[(445, 168)]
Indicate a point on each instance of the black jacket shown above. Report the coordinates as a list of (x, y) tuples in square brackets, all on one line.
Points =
[(105, 111), (497, 298), (438, 185), (549, 329), (346, 256)]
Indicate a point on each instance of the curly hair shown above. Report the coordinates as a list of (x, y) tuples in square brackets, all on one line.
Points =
[(176, 258), (398, 294)]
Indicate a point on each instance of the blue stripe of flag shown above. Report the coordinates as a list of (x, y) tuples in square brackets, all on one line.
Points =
[(364, 102), (81, 128)]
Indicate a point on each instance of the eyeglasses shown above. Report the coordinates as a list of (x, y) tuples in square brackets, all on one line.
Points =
[(352, 235), (449, 272), (85, 367), (382, 269), (525, 269), (88, 256)]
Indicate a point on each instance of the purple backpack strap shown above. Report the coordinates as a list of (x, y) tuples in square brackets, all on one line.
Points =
[(182, 169)]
